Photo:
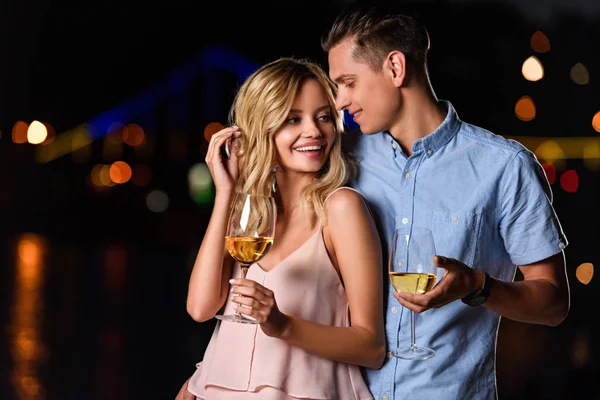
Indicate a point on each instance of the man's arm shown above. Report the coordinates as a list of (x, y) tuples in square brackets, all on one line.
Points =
[(542, 297)]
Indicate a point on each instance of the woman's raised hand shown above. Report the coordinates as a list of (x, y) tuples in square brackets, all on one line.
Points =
[(224, 171)]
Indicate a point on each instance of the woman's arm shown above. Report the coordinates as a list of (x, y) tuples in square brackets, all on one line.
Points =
[(357, 251), (209, 287)]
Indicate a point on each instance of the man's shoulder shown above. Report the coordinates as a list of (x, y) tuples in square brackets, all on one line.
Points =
[(486, 139)]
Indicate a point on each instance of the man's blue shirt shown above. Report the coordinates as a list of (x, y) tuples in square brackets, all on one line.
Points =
[(488, 203)]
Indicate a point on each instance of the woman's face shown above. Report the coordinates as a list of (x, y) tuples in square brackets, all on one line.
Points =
[(305, 139)]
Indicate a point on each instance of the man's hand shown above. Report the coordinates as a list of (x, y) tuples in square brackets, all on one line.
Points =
[(458, 281)]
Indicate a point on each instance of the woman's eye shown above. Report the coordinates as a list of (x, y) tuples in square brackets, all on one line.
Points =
[(325, 118), (293, 120)]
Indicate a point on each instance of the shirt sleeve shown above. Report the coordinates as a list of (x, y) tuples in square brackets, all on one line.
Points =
[(528, 224)]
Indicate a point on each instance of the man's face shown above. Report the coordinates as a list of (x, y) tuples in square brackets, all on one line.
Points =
[(370, 97)]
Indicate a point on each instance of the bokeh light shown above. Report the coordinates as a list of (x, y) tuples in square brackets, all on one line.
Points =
[(591, 155), (211, 129), (200, 183), (133, 135), (120, 172), (596, 121), (569, 181), (550, 171), (19, 132), (580, 74), (157, 201), (36, 133), (539, 42), (532, 69), (525, 109), (584, 273)]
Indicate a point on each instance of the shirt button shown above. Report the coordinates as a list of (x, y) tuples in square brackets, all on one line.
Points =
[(389, 354), (408, 175), (385, 397), (394, 310), (429, 152), (561, 245), (400, 264), (405, 221), (454, 218), (394, 145)]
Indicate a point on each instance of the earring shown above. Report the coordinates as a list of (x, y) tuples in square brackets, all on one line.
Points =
[(274, 182)]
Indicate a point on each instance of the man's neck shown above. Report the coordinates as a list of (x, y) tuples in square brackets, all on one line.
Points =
[(420, 115)]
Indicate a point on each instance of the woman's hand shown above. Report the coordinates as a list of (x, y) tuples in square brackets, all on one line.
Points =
[(224, 171), (259, 303)]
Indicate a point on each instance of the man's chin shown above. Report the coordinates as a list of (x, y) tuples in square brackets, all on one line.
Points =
[(366, 131)]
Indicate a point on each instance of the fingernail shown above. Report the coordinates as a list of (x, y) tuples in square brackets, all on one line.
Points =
[(235, 127), (231, 280)]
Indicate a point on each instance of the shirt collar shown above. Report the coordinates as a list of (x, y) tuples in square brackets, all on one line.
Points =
[(442, 135), (438, 138)]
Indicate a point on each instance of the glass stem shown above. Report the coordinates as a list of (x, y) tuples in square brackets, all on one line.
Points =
[(244, 268), (413, 323)]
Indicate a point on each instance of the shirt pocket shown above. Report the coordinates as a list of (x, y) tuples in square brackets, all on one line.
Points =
[(456, 235)]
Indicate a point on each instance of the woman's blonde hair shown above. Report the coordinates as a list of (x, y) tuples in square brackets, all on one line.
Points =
[(261, 107)]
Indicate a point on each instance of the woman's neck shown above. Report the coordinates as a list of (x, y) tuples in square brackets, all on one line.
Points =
[(289, 186)]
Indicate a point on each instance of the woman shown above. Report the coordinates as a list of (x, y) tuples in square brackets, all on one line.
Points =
[(317, 292)]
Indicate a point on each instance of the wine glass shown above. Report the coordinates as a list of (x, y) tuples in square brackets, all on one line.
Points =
[(250, 233), (411, 270)]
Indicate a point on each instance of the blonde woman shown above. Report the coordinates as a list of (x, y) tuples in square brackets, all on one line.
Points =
[(317, 292)]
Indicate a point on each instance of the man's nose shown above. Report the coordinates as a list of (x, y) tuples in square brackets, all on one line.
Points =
[(341, 101)]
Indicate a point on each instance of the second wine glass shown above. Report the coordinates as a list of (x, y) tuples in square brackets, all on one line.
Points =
[(250, 234), (411, 270)]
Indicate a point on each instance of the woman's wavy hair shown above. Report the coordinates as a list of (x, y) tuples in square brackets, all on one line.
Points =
[(261, 107)]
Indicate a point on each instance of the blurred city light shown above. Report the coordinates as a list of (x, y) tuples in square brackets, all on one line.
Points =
[(584, 273), (19, 132), (580, 74), (36, 133), (596, 122), (133, 135), (532, 69), (211, 129), (157, 201), (550, 171), (539, 42), (200, 183), (525, 108), (28, 349), (120, 172), (569, 181)]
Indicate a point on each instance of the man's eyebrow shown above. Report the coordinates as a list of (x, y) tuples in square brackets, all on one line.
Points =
[(343, 77)]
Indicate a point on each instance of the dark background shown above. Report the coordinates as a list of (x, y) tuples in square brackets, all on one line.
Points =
[(99, 312)]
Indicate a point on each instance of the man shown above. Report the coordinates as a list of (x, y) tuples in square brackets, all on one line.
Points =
[(486, 200)]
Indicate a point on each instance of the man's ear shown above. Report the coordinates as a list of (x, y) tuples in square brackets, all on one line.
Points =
[(395, 65)]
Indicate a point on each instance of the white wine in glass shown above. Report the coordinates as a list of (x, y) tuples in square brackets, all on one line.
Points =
[(411, 270), (250, 232)]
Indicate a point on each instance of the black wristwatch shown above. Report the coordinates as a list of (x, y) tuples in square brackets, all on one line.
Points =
[(479, 296)]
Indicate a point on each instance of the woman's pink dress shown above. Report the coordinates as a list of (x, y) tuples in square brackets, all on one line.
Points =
[(241, 362)]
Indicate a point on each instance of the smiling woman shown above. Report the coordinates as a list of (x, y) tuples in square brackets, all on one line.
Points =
[(316, 293)]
